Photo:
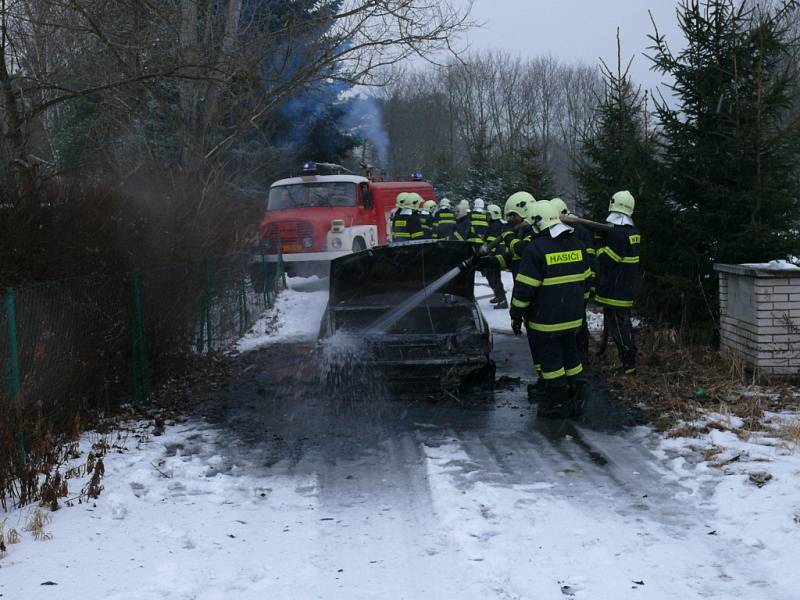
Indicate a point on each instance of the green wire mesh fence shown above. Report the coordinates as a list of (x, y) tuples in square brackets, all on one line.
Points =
[(72, 346)]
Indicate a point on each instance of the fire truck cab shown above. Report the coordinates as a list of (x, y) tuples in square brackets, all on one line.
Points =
[(317, 218)]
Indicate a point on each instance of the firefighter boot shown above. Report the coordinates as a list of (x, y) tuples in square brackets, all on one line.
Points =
[(577, 400), (501, 304), (536, 391), (555, 403)]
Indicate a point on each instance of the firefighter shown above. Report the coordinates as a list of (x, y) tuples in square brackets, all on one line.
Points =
[(618, 272), (426, 215), (479, 218), (444, 221), (585, 236), (516, 237), (464, 231), (548, 297), (492, 272), (406, 224)]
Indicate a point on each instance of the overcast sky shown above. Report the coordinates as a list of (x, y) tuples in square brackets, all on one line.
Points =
[(574, 30)]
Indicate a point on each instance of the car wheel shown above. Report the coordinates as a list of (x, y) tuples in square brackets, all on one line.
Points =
[(359, 244)]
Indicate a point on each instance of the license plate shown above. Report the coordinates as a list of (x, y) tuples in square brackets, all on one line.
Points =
[(292, 248)]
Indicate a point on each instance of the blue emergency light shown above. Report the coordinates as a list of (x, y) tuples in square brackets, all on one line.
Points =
[(416, 176), (310, 167)]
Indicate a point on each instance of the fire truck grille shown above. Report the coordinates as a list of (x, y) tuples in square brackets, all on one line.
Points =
[(290, 232)]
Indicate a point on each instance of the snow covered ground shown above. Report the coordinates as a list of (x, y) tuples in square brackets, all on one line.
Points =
[(295, 317), (422, 501), (436, 515)]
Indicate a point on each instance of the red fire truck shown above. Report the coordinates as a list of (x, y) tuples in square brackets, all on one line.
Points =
[(317, 218)]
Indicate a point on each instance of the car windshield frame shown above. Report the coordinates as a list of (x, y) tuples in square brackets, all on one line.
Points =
[(316, 194)]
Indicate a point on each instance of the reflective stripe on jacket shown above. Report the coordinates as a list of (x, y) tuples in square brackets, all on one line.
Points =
[(406, 226), (551, 283), (618, 267), (444, 223), (480, 224)]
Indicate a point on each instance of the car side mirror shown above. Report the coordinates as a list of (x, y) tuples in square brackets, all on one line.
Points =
[(366, 196)]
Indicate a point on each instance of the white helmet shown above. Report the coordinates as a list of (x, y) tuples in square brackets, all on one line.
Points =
[(479, 204), (462, 208), (445, 203)]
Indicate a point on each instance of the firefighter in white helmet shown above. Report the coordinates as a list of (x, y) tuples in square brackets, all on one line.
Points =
[(463, 230), (479, 218), (444, 220)]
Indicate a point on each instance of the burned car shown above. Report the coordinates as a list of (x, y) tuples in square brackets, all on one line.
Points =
[(443, 342)]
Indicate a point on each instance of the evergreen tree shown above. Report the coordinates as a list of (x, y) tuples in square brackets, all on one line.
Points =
[(618, 152), (730, 145)]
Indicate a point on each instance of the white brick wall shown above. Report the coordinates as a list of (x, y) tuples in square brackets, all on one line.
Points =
[(760, 316)]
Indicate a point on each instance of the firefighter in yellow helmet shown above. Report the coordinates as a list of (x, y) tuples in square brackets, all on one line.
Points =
[(427, 209), (618, 277), (548, 297), (406, 223), (585, 236), (516, 236)]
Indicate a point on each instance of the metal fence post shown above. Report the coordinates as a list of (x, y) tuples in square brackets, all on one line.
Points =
[(242, 295), (141, 386), (264, 285), (281, 268), (14, 378), (205, 307)]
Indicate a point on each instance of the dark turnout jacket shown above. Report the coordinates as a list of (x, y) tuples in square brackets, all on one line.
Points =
[(407, 226), (551, 283), (444, 223), (618, 267)]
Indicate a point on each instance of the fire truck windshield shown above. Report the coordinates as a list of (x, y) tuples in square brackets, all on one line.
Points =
[(309, 195)]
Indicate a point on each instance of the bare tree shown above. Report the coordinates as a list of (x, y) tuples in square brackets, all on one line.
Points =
[(212, 70)]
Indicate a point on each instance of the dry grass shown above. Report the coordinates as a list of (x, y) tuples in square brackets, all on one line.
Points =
[(678, 382), (37, 521), (790, 433)]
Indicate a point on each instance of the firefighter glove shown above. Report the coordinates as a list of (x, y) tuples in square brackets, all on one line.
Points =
[(487, 262)]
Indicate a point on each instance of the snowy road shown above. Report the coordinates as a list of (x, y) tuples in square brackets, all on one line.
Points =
[(271, 490)]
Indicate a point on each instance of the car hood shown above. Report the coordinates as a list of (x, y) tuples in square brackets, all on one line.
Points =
[(399, 270)]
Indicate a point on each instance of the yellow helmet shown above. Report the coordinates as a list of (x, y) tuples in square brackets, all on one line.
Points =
[(560, 206), (430, 206), (544, 216), (462, 208), (622, 202), (445, 203), (402, 201), (495, 212), (519, 204)]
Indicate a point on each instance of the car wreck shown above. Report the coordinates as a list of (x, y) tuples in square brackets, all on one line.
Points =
[(443, 343)]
